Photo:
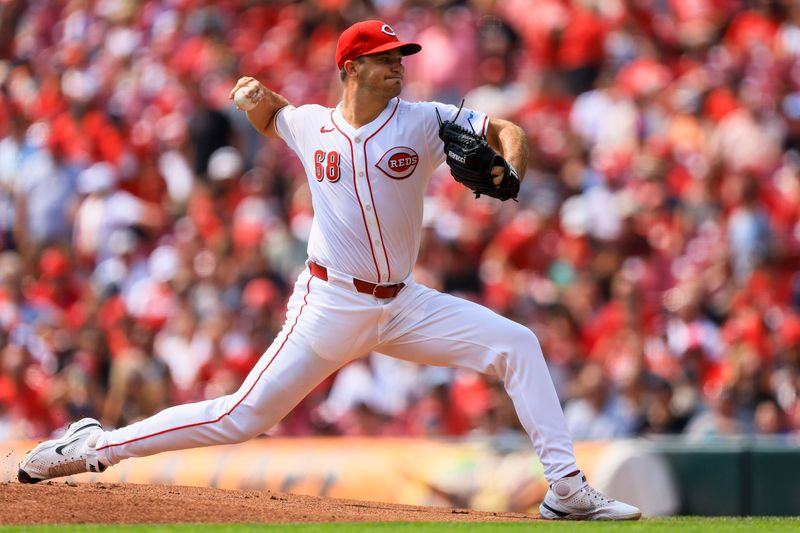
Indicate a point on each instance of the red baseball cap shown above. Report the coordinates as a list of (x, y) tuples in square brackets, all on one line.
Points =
[(370, 37)]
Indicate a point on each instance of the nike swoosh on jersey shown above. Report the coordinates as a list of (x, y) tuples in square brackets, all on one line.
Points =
[(323, 129)]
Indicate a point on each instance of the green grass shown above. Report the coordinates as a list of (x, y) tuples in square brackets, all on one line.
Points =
[(682, 524)]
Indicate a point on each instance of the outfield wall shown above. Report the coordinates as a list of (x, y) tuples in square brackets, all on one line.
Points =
[(735, 477), (661, 477)]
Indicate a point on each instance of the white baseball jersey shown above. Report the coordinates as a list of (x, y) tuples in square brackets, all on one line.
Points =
[(368, 186), (368, 183)]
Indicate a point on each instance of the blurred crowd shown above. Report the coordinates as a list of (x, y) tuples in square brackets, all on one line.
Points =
[(149, 237)]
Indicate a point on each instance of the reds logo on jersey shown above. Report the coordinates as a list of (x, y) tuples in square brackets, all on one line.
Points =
[(398, 163)]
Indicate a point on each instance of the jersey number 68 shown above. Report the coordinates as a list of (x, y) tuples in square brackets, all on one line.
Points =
[(326, 165)]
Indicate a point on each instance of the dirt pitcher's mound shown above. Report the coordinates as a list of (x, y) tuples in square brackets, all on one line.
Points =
[(122, 503)]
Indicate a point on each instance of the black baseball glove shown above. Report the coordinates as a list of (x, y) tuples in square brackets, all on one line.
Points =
[(471, 161)]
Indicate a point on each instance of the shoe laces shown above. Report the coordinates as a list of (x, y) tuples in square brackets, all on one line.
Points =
[(594, 494)]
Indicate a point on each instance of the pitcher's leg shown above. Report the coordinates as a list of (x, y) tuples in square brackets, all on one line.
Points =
[(277, 388), (283, 376), (439, 329)]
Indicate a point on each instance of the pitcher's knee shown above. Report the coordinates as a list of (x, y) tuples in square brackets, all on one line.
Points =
[(521, 338), (515, 347), (235, 423), (247, 421), (234, 430), (244, 434), (524, 347)]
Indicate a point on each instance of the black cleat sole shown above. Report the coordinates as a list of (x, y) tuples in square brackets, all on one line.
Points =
[(23, 477)]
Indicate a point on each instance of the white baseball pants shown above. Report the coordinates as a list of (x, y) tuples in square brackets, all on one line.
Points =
[(328, 324)]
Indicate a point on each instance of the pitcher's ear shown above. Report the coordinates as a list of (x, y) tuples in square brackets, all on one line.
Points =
[(350, 66)]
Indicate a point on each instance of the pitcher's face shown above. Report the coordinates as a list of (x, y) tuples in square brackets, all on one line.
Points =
[(382, 73)]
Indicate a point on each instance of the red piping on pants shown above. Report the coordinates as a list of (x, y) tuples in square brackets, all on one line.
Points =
[(305, 301)]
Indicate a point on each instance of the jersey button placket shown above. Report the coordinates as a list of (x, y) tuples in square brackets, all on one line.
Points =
[(371, 215), (369, 211)]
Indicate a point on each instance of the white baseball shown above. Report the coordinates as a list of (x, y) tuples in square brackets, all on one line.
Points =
[(242, 100)]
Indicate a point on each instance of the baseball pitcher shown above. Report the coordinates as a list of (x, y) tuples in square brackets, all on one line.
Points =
[(368, 162)]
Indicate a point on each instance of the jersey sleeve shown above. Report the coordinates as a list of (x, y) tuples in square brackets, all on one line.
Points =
[(468, 118), (285, 122), (292, 124)]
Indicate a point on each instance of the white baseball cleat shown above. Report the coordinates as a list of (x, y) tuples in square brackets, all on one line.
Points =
[(73, 453), (571, 498)]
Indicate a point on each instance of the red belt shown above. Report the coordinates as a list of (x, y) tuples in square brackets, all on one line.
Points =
[(378, 291)]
